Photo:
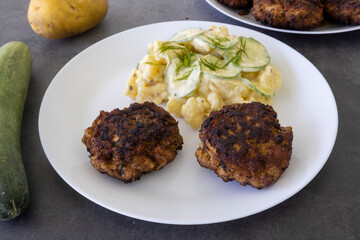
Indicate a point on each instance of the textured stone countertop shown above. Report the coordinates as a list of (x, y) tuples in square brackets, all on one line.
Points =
[(327, 208)]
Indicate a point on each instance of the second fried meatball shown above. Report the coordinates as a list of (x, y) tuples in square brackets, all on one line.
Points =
[(245, 142), (289, 14), (128, 143)]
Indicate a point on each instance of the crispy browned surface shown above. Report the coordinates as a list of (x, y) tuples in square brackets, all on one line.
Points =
[(343, 11), (289, 14), (245, 142), (128, 143), (237, 4)]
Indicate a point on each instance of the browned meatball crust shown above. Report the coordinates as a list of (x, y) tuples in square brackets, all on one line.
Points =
[(237, 4), (289, 14), (128, 143), (343, 11), (245, 142)]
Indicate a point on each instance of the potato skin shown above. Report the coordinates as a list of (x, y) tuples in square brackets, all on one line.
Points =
[(56, 19)]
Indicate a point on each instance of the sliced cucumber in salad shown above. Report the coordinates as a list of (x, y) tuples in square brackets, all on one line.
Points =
[(215, 67), (255, 88), (219, 42), (186, 35), (181, 80), (248, 54)]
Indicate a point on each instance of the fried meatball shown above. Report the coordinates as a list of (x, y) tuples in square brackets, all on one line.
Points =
[(343, 11), (245, 142), (128, 143), (237, 4), (289, 14)]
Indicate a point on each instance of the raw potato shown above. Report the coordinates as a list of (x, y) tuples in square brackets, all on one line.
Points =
[(57, 19)]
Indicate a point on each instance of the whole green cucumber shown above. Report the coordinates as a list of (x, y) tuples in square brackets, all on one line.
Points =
[(15, 71)]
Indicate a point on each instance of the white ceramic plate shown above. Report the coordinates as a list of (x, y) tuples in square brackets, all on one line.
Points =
[(182, 192), (328, 28)]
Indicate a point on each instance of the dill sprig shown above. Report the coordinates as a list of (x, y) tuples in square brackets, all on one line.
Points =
[(186, 58), (167, 46), (217, 41), (216, 65), (185, 76), (208, 64), (185, 61), (237, 58), (177, 69), (184, 54)]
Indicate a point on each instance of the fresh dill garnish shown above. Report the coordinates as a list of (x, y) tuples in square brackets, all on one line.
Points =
[(186, 58), (185, 61), (237, 58), (185, 76), (167, 46), (215, 65), (184, 55), (218, 41), (208, 64), (177, 70)]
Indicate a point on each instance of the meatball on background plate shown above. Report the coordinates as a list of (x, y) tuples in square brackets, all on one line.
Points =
[(344, 11), (290, 14), (329, 26)]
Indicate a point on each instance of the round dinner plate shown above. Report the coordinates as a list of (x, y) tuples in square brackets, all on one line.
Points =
[(182, 192), (328, 28)]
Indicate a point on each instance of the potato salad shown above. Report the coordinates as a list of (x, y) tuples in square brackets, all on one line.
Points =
[(198, 71)]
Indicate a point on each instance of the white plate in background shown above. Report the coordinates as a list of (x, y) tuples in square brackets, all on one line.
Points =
[(328, 28)]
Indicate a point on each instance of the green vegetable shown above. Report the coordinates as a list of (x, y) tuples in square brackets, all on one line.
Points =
[(219, 42), (256, 89), (15, 71), (213, 66), (186, 35), (182, 80), (249, 54), (167, 46)]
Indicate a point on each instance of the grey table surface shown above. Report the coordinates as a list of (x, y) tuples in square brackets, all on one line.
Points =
[(327, 208)]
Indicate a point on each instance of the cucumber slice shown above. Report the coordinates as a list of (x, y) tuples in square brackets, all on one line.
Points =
[(249, 54), (186, 35), (219, 42), (182, 81), (215, 67), (168, 59), (256, 89)]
